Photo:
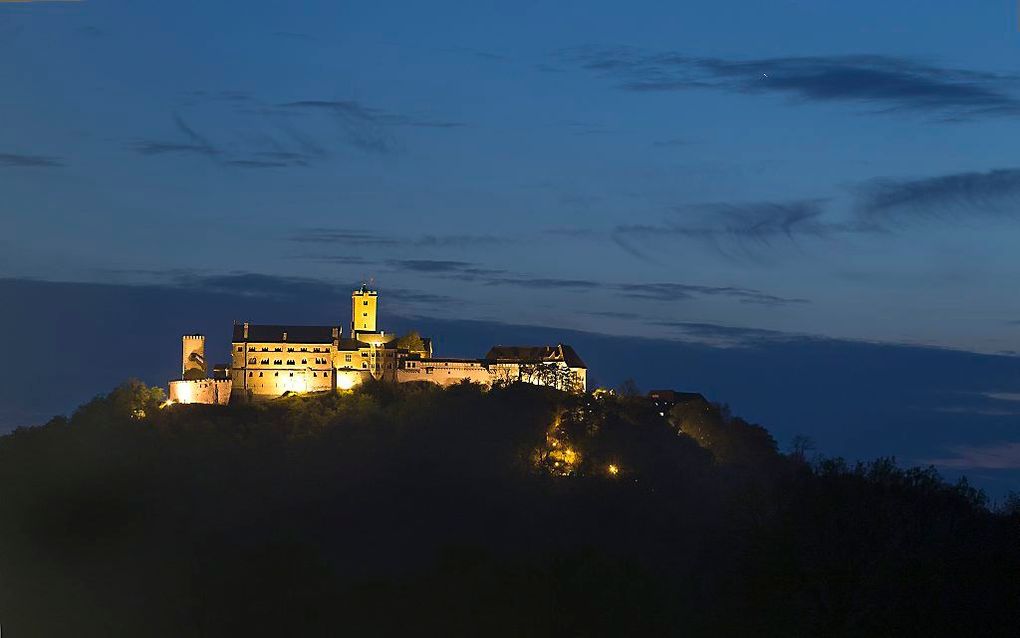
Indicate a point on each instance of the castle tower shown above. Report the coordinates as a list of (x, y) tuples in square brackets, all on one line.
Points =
[(364, 303), (193, 360)]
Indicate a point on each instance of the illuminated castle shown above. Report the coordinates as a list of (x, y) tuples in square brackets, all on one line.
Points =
[(268, 361)]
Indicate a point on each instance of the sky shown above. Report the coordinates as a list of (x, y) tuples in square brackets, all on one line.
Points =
[(723, 176)]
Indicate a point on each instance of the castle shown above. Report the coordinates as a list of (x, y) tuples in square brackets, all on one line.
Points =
[(268, 361)]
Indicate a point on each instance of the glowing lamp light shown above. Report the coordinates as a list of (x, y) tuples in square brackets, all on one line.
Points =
[(345, 383), (613, 469)]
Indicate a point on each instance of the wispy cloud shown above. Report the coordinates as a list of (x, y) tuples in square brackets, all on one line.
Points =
[(358, 237), (962, 194), (666, 292), (882, 205), (883, 83), (738, 228), (997, 456), (722, 335), (366, 127), (20, 160), (675, 292)]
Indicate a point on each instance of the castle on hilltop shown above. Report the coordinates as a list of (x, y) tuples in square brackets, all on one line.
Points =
[(268, 361)]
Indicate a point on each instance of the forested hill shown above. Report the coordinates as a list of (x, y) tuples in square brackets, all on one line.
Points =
[(522, 511)]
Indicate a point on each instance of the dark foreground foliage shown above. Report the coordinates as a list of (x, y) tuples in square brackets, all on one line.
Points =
[(413, 510)]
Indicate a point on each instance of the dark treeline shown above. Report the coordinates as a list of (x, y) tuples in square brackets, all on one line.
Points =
[(413, 510)]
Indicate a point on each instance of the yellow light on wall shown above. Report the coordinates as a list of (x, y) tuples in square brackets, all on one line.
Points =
[(345, 383)]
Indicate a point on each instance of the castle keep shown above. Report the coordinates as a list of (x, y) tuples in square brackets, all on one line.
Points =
[(268, 361)]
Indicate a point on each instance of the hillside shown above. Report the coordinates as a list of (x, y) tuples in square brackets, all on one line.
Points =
[(396, 510)]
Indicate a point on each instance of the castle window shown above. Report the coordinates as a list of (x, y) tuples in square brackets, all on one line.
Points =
[(364, 303), (305, 362), (290, 362), (278, 362), (314, 375), (290, 349), (252, 360), (260, 375), (347, 358), (277, 349), (265, 349), (364, 314), (239, 348), (325, 374), (364, 365), (276, 374), (265, 361), (291, 374), (251, 374)]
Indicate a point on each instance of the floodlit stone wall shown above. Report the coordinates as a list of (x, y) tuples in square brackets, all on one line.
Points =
[(209, 391)]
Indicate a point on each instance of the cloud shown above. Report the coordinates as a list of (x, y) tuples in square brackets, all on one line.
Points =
[(673, 142), (649, 291), (721, 335), (429, 265), (739, 227), (20, 160), (357, 237), (280, 287), (365, 127), (988, 193), (675, 292), (613, 314), (881, 205), (997, 456), (195, 144), (1003, 396), (356, 111), (886, 83), (258, 164)]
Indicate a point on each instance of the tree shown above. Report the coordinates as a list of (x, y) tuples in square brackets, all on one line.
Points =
[(412, 342)]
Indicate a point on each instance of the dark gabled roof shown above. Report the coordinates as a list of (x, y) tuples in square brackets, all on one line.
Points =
[(676, 397), (536, 354), (351, 344), (264, 333)]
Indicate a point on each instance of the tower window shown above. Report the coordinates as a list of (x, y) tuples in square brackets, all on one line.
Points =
[(260, 375)]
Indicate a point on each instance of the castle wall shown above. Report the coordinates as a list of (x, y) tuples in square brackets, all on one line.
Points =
[(445, 372), (209, 391)]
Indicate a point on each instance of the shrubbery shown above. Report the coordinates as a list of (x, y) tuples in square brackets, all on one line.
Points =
[(411, 509)]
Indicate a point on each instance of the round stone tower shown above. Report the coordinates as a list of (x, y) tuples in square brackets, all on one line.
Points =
[(193, 360)]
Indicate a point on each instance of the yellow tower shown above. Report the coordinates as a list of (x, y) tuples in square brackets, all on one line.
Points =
[(364, 303), (193, 360)]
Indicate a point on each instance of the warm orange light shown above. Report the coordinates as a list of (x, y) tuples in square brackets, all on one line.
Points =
[(345, 383), (613, 469)]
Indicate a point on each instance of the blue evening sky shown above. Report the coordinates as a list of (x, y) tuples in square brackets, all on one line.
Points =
[(749, 181), (826, 168)]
